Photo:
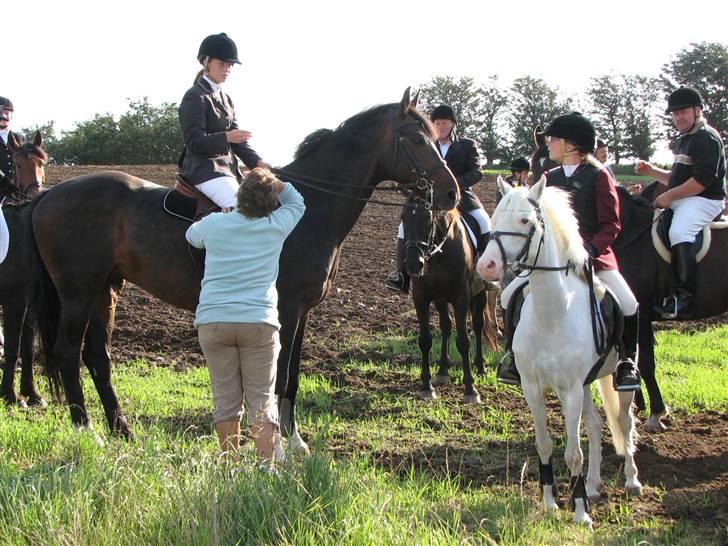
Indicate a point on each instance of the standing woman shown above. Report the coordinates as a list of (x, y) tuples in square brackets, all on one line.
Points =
[(237, 315), (571, 140), (213, 141)]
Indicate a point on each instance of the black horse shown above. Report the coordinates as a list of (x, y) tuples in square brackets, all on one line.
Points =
[(95, 231), (15, 274), (441, 262)]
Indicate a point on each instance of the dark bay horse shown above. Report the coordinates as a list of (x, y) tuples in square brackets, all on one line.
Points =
[(15, 273), (441, 262), (95, 231)]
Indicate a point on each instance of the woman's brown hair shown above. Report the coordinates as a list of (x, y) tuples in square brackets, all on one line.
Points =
[(257, 196)]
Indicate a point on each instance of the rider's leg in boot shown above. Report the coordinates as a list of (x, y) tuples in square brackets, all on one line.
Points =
[(627, 376), (399, 280), (507, 371), (686, 269), (483, 242)]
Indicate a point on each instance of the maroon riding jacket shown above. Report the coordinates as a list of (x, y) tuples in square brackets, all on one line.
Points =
[(596, 205)]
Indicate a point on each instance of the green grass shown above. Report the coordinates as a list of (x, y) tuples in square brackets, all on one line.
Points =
[(386, 469)]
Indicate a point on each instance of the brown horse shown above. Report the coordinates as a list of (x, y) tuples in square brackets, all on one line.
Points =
[(15, 278), (94, 231), (441, 262)]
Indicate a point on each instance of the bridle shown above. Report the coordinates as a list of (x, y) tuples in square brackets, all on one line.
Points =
[(23, 194), (423, 182), (428, 249), (517, 265)]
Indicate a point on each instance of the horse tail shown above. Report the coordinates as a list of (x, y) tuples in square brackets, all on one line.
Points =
[(45, 303), (621, 433)]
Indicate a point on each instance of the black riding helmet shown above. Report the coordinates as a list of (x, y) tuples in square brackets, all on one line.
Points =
[(575, 128), (5, 104), (219, 46), (683, 97), (520, 164), (443, 112)]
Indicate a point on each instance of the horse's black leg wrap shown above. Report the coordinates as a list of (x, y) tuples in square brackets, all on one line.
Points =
[(578, 491), (546, 475)]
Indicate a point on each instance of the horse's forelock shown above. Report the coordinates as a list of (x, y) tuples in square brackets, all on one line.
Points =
[(30, 149)]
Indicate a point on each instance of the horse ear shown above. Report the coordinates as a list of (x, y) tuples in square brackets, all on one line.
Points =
[(13, 142), (413, 103), (38, 139), (405, 104), (503, 186), (538, 137), (537, 189)]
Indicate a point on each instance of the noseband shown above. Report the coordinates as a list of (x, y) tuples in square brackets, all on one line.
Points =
[(428, 249), (517, 266)]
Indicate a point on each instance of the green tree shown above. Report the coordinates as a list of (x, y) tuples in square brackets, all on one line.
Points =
[(92, 142), (491, 102), (703, 66), (532, 103), (462, 95), (605, 94)]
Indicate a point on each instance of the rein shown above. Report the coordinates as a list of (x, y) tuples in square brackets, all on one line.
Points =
[(429, 248)]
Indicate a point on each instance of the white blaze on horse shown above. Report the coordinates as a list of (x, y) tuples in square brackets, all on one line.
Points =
[(553, 344)]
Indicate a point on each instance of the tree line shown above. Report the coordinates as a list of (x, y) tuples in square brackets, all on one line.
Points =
[(627, 110)]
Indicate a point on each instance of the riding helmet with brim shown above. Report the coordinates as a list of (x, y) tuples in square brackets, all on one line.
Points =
[(520, 164), (219, 46), (443, 112), (5, 104), (575, 128), (683, 97)]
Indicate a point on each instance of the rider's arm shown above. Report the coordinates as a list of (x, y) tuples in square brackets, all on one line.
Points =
[(472, 173), (648, 169), (607, 213), (243, 150)]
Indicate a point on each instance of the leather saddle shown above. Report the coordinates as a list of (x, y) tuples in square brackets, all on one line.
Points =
[(185, 201), (661, 235)]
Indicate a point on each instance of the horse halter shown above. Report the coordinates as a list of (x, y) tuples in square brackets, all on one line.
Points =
[(517, 266), (24, 193), (424, 176)]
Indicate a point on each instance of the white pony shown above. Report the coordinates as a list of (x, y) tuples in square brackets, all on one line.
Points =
[(553, 343)]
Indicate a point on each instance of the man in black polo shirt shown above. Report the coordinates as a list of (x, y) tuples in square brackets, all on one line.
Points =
[(696, 190)]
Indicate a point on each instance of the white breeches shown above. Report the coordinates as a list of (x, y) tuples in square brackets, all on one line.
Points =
[(691, 215), (611, 278), (482, 218), (222, 190)]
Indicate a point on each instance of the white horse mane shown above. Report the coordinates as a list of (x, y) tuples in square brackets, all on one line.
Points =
[(558, 216)]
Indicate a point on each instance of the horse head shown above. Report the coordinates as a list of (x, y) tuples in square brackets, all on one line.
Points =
[(525, 221), (417, 221), (540, 161), (414, 160), (30, 161)]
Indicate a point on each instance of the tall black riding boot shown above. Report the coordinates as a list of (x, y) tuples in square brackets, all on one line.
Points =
[(679, 305), (507, 372), (627, 375), (399, 280), (483, 242)]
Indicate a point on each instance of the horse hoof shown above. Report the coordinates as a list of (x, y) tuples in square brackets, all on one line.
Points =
[(427, 395), (633, 490), (472, 398), (37, 402), (655, 425), (298, 446), (593, 499), (441, 380)]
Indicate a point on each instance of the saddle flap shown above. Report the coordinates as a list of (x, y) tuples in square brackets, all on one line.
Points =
[(178, 201)]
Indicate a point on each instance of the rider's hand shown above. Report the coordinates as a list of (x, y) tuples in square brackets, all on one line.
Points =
[(642, 167), (236, 136)]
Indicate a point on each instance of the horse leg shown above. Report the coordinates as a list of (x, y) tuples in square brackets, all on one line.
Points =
[(424, 340), (12, 327), (288, 402), (572, 403), (632, 484), (593, 422), (27, 383), (647, 370), (97, 357), (477, 314), (544, 444), (462, 341), (442, 377)]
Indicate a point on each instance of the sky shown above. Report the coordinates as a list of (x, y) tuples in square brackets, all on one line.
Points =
[(311, 64)]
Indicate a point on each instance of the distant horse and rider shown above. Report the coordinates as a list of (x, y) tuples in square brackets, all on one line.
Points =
[(114, 229), (15, 276)]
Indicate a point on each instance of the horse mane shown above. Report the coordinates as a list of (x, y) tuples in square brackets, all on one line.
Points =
[(29, 149), (357, 130)]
